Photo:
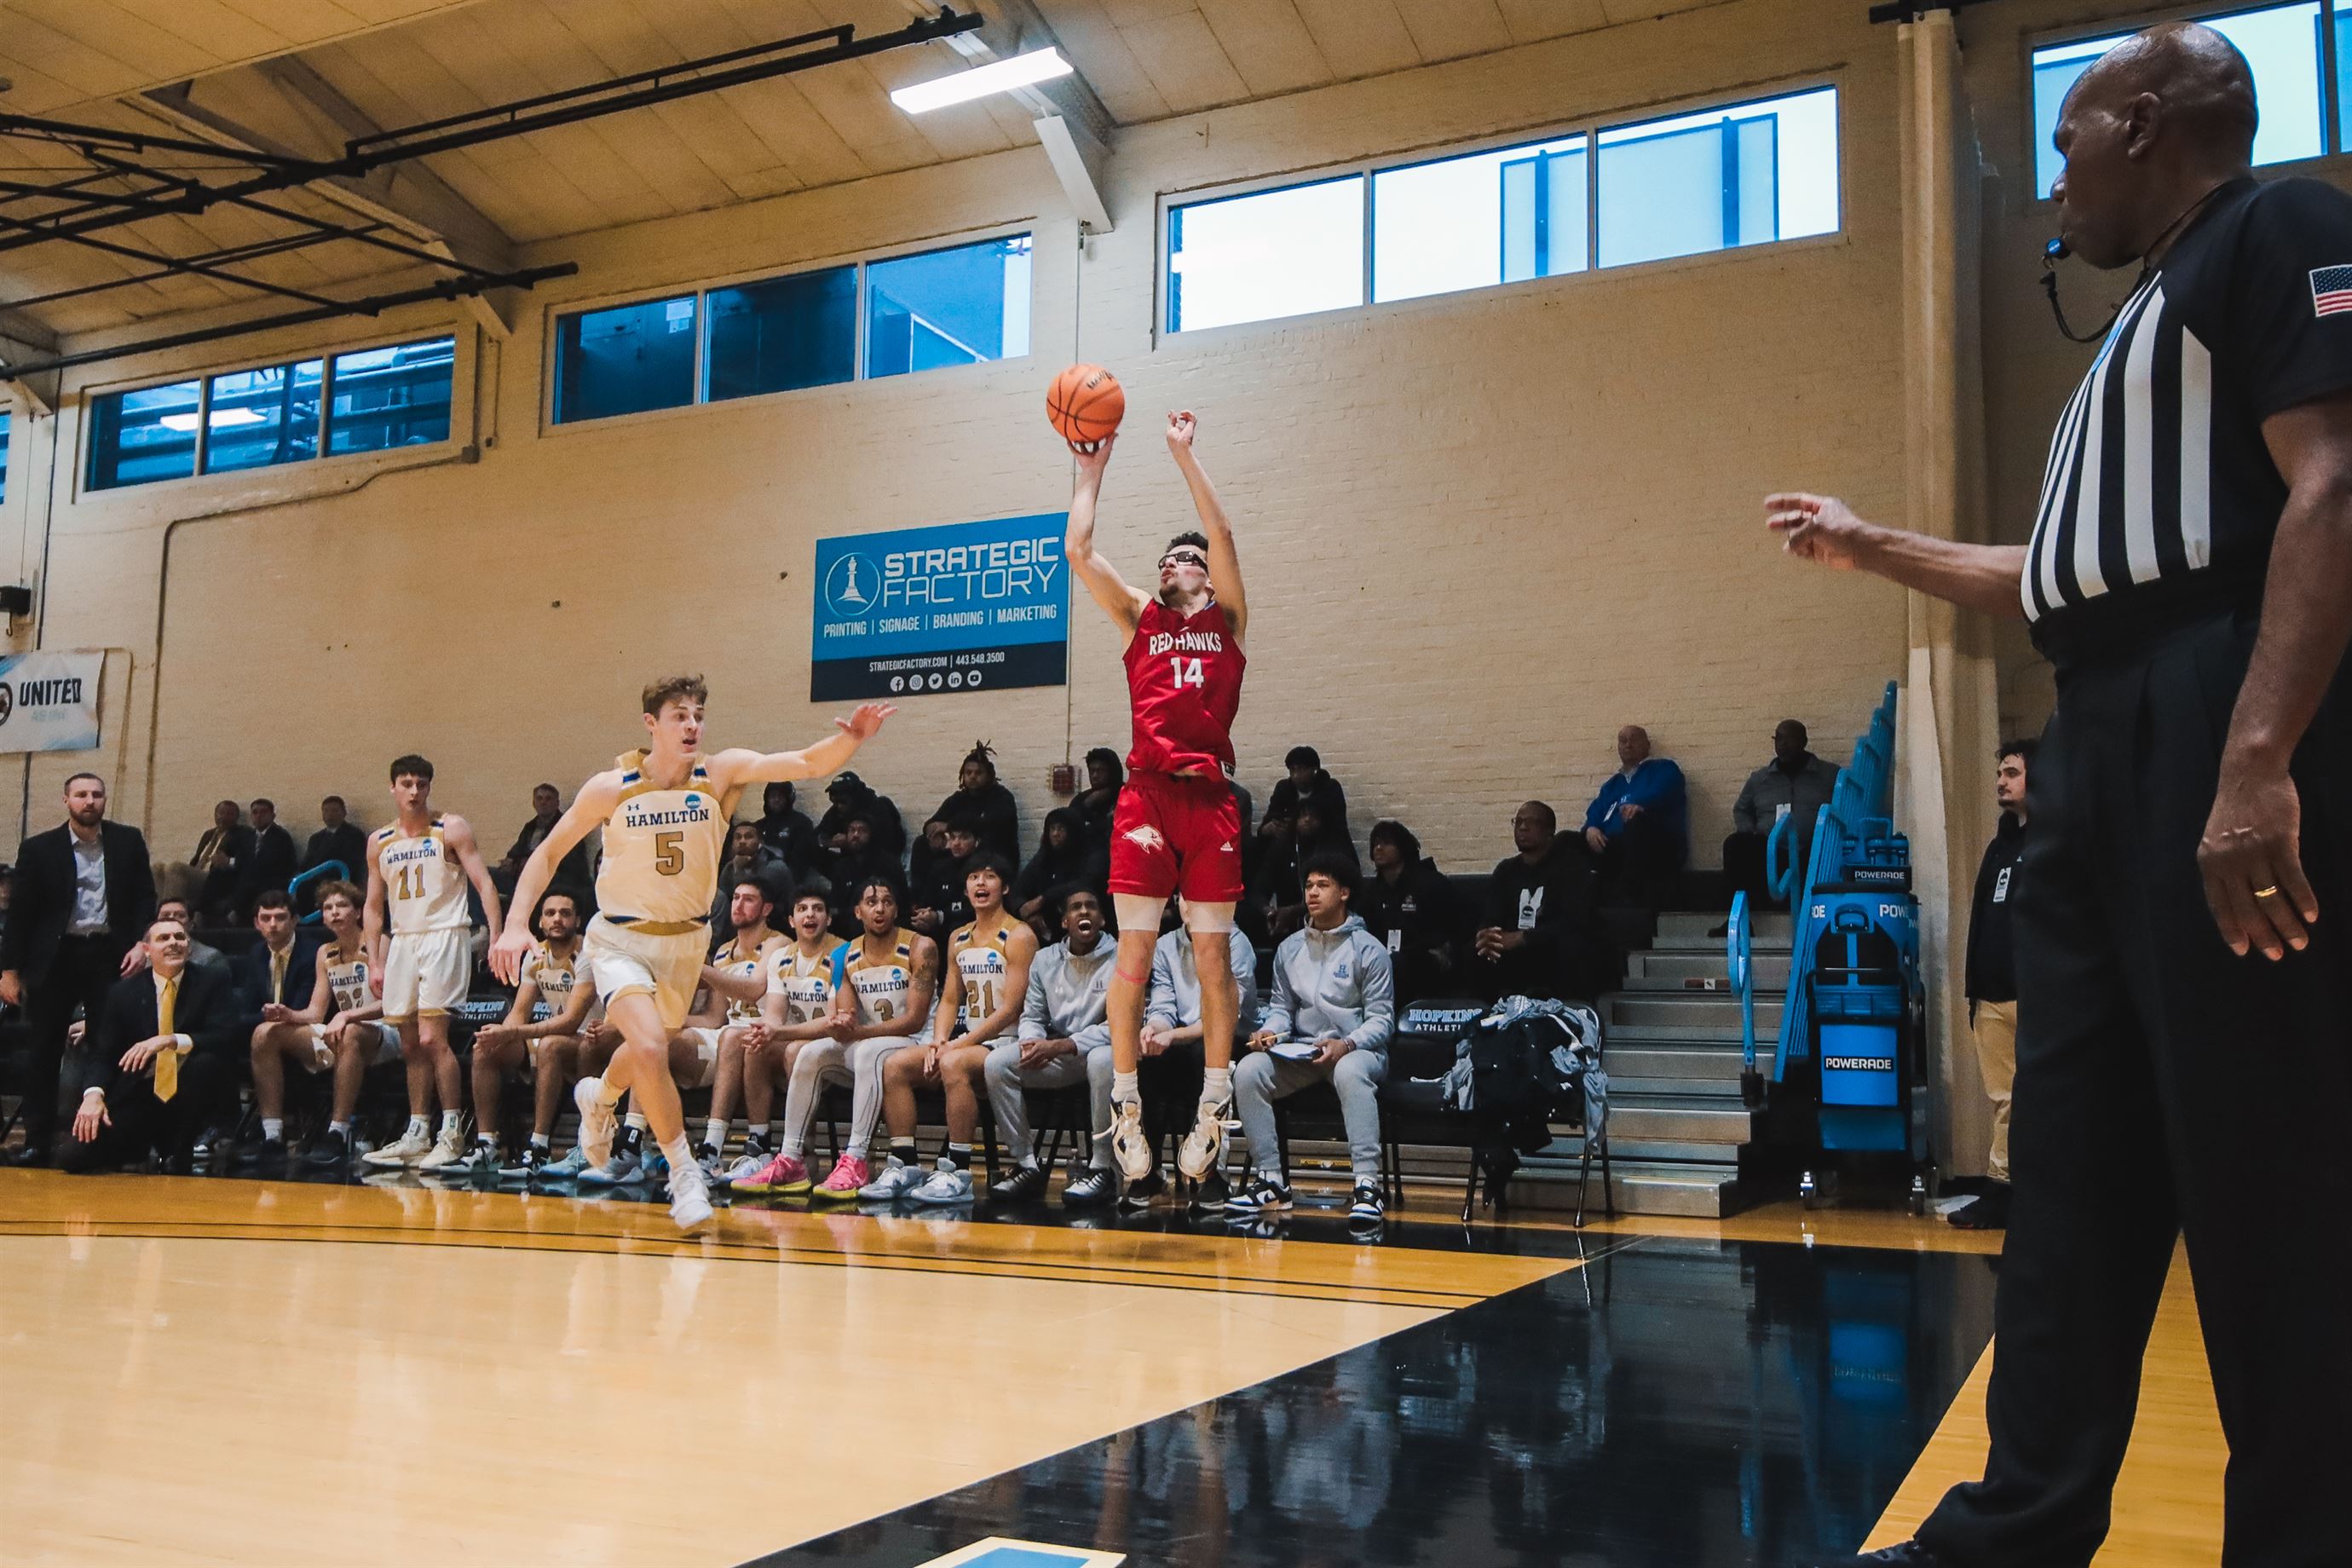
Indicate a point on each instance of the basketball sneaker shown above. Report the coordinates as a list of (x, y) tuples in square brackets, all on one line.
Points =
[(1130, 1144), (404, 1150), (1023, 1185), (849, 1178), (1092, 1190), (448, 1150), (480, 1163), (947, 1185), (530, 1165), (327, 1151), (624, 1169), (1265, 1194), (1369, 1208), (567, 1169), (897, 1180), (596, 1120), (1198, 1154), (781, 1174), (754, 1158), (689, 1198)]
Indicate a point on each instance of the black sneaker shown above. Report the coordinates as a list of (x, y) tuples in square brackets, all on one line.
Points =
[(1368, 1209), (1140, 1194), (1908, 1554), (1211, 1191), (1262, 1195), (328, 1151), (1091, 1189), (1025, 1185), (1987, 1211)]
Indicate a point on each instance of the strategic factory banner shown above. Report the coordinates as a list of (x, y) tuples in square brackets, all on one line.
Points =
[(966, 606)]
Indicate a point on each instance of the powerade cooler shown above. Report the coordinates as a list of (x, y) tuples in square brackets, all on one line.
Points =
[(1868, 1001)]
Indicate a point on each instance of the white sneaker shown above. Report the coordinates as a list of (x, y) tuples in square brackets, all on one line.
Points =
[(1197, 1156), (689, 1198), (405, 1150), (1129, 1143), (449, 1149), (747, 1165), (897, 1180), (597, 1122), (946, 1186)]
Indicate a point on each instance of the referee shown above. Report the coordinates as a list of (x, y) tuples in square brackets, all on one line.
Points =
[(2191, 578)]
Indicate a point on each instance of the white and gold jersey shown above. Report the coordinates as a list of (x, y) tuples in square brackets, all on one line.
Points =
[(734, 963), (556, 975), (662, 850), (424, 887), (347, 978), (884, 986), (805, 982), (983, 965)]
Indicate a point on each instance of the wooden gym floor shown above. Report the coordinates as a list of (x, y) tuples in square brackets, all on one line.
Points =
[(207, 1370)]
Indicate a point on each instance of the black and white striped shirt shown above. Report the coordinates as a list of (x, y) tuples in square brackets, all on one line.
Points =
[(2159, 468)]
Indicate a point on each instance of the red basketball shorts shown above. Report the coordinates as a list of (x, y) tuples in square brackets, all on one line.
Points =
[(1177, 836)]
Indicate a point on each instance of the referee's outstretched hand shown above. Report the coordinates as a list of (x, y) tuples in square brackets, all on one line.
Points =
[(2251, 858), (1819, 529)]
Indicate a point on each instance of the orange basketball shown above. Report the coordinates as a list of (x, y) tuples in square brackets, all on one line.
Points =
[(1085, 403)]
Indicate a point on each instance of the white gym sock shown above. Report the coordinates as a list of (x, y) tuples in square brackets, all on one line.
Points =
[(1124, 1089), (607, 1094), (1217, 1086), (273, 1128), (715, 1134), (449, 1120), (680, 1154), (419, 1127)]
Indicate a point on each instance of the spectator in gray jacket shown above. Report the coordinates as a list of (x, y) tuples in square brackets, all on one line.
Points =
[(1334, 1010), (1064, 1039), (1795, 785), (1172, 1056)]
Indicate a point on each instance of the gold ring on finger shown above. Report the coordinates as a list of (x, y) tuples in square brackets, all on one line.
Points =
[(2269, 892)]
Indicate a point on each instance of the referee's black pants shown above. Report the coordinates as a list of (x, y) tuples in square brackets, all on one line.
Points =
[(2166, 1087)]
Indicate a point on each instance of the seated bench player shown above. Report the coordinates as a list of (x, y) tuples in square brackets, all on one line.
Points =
[(883, 983), (737, 976), (1334, 1011), (1064, 1039), (341, 1030), (986, 980), (795, 1016), (541, 1035)]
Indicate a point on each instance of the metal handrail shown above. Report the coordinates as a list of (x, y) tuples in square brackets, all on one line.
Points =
[(319, 873)]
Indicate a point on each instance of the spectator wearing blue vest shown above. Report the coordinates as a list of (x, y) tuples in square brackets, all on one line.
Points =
[(1638, 827)]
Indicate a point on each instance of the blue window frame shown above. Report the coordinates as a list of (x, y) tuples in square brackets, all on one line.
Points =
[(782, 334), (626, 359), (960, 306), (1746, 175), (2303, 111), (964, 304), (1268, 254), (1478, 220), (138, 437), (397, 396), (256, 418)]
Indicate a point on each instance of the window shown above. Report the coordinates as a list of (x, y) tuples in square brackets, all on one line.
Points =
[(3, 459), (625, 360), (962, 305), (1745, 174), (1276, 253), (1742, 175), (783, 335), (367, 400), (255, 417), (947, 307), (137, 438), (2283, 43), (1473, 221), (391, 397)]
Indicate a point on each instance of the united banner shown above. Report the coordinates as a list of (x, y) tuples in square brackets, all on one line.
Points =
[(967, 607), (48, 702)]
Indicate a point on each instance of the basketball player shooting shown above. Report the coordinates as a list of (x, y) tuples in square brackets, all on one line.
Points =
[(1177, 827), (665, 811)]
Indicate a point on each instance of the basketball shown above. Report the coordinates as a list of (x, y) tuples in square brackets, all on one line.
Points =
[(1085, 403)]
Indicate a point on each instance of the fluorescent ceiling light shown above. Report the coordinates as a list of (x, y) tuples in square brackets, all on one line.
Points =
[(999, 76)]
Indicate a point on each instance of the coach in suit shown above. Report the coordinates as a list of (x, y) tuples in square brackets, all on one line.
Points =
[(165, 1046), (271, 860), (84, 896)]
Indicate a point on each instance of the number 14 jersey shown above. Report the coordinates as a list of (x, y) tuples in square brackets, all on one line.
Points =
[(1184, 686)]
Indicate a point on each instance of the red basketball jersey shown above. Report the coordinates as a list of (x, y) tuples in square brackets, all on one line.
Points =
[(1184, 685)]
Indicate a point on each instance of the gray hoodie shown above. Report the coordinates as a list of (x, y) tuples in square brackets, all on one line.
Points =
[(1176, 981), (1338, 982), (1070, 996)]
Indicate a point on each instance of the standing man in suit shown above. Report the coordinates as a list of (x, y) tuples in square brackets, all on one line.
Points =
[(83, 899), (271, 863), (165, 1043)]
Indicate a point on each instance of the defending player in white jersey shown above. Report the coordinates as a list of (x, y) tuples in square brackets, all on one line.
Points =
[(665, 811), (418, 866)]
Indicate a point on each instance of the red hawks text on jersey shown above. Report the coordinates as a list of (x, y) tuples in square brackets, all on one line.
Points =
[(1184, 686)]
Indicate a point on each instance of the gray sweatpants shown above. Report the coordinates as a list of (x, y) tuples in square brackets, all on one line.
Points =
[(1262, 1078), (821, 1062), (1006, 1080)]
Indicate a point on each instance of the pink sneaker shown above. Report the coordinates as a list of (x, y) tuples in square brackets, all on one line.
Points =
[(784, 1174), (850, 1173)]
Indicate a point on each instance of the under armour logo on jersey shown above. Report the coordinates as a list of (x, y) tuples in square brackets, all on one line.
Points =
[(1145, 838)]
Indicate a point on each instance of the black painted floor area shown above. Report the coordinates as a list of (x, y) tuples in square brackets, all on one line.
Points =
[(1672, 1404)]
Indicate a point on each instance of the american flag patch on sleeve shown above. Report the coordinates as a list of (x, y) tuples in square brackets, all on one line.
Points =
[(2331, 290)]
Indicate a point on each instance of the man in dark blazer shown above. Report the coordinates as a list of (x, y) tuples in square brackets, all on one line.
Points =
[(220, 858), (84, 896), (164, 1047), (270, 863)]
